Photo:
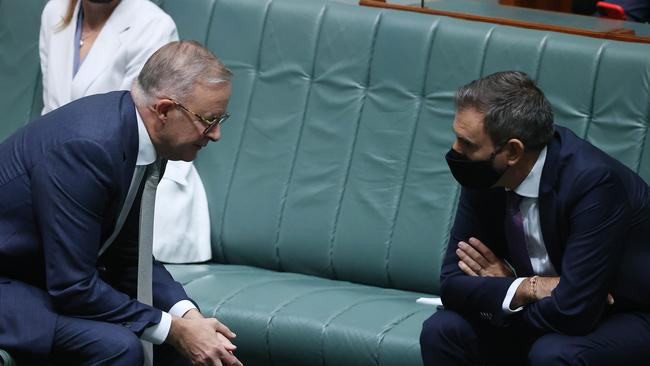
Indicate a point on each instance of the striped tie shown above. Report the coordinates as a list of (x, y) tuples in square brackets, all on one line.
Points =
[(514, 230)]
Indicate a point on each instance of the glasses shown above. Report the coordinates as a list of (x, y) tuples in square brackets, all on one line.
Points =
[(209, 123)]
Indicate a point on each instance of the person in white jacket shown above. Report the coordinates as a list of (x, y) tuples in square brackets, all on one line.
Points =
[(96, 46)]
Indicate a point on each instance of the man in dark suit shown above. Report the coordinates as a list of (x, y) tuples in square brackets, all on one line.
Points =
[(70, 233), (547, 262)]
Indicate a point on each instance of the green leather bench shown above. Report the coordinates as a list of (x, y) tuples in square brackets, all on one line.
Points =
[(330, 199)]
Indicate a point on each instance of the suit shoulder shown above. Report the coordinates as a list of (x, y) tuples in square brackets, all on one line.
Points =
[(590, 168)]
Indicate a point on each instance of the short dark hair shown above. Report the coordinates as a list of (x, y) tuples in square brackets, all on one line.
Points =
[(513, 107)]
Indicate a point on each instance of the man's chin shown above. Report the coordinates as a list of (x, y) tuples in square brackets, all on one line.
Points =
[(188, 157)]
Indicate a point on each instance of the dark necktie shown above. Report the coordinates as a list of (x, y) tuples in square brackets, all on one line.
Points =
[(514, 230)]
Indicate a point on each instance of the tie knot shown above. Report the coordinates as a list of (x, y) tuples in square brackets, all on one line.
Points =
[(153, 170), (513, 200)]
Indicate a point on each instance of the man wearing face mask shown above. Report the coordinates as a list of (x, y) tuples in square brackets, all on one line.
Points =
[(547, 262)]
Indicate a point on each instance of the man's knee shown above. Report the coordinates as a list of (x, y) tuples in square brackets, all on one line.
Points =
[(551, 349), (442, 327), (443, 338), (98, 343), (126, 348), (431, 332)]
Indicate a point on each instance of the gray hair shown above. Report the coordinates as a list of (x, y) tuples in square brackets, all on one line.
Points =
[(513, 107), (176, 68)]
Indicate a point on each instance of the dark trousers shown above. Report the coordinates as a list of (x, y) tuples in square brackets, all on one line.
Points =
[(34, 334), (87, 342), (448, 338)]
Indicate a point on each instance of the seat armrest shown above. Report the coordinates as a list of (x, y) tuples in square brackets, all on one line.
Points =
[(5, 359)]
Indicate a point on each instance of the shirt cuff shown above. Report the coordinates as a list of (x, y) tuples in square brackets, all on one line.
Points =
[(510, 295), (180, 308), (157, 334)]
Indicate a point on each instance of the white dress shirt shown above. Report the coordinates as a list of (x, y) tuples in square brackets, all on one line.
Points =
[(541, 263), (155, 334)]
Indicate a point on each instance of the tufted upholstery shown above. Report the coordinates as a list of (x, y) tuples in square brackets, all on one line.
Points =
[(330, 202), (332, 163)]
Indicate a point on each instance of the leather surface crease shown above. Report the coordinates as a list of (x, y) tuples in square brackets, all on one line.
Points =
[(330, 200)]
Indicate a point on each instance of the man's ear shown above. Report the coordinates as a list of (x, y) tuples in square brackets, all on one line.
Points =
[(162, 108), (515, 151)]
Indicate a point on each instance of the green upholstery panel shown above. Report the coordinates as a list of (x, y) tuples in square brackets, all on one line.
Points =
[(332, 164), (193, 18), (305, 104), (293, 319), (20, 83), (5, 359)]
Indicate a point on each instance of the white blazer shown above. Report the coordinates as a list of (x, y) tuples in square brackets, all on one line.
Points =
[(133, 32)]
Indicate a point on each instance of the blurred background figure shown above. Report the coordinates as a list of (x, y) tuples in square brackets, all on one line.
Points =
[(631, 10), (634, 10), (96, 46)]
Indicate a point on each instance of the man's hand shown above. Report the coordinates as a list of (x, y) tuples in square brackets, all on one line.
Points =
[(202, 340), (224, 330), (476, 259)]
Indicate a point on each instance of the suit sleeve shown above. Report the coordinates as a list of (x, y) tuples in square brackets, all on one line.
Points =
[(72, 187), (477, 297), (598, 223), (166, 291)]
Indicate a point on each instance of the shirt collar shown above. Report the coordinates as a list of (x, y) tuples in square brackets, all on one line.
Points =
[(530, 186), (146, 150)]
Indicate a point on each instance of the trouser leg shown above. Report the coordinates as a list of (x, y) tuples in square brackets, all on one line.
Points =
[(27, 321), (447, 338), (620, 339), (166, 355), (88, 342)]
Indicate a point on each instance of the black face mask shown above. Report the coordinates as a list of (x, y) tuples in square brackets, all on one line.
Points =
[(474, 174)]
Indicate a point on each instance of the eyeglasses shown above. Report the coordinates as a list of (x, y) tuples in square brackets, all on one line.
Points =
[(209, 123)]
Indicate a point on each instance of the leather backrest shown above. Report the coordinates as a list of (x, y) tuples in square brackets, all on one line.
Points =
[(332, 163)]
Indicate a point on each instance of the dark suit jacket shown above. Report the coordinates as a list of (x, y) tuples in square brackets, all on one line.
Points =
[(63, 181), (595, 221)]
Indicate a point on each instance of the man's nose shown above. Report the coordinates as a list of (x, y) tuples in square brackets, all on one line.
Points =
[(456, 146), (214, 134)]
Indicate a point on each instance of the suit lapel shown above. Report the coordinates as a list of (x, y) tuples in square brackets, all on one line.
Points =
[(128, 126), (103, 52), (131, 141), (548, 204)]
